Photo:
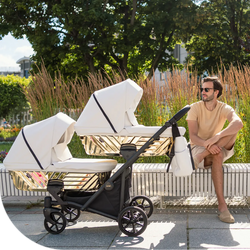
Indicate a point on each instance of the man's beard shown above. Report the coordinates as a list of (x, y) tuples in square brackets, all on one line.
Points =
[(208, 99)]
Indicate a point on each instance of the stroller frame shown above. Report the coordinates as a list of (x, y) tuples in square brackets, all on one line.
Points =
[(131, 215)]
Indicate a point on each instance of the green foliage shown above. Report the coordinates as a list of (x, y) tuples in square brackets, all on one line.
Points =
[(12, 98), (222, 27), (82, 36), (4, 148)]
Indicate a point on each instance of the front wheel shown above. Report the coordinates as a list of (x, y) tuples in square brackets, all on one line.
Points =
[(132, 221), (60, 223)]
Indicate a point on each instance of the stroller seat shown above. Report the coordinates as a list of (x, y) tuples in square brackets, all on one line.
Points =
[(133, 131), (40, 153), (148, 131), (108, 121), (84, 165)]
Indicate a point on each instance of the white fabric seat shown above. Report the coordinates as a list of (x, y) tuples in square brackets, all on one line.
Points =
[(141, 130), (138, 130), (83, 165)]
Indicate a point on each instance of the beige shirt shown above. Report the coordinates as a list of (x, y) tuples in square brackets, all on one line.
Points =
[(209, 122)]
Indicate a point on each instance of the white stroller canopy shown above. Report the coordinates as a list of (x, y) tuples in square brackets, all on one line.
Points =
[(47, 139), (111, 109)]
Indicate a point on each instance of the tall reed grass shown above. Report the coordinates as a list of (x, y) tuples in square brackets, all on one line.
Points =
[(159, 103), (237, 94), (48, 96)]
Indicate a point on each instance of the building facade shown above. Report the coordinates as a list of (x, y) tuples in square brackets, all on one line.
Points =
[(25, 66), (180, 54)]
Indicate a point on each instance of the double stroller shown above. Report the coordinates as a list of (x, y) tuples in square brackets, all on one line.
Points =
[(40, 160)]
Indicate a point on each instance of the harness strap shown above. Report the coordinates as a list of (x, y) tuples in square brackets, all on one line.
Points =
[(32, 152), (105, 115)]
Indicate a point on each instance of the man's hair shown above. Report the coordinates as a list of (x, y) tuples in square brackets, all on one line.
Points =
[(216, 82)]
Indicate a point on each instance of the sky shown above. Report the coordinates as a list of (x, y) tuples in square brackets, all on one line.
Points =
[(11, 50)]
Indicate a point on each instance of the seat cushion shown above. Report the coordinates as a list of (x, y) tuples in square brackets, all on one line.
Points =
[(138, 130), (141, 130), (83, 165)]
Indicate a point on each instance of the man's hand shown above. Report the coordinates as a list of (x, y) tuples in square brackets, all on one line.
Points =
[(214, 149), (210, 142)]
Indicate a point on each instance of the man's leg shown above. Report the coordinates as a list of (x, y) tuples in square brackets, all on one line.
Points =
[(216, 161), (226, 142), (218, 178)]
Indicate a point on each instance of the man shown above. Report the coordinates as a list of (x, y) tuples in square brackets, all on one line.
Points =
[(211, 144), (5, 124)]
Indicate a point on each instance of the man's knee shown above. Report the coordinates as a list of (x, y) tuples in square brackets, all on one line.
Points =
[(218, 158)]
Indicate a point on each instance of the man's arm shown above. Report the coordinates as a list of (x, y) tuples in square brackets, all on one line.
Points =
[(235, 124), (193, 133)]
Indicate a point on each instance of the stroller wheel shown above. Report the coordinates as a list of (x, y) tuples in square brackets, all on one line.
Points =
[(71, 213), (144, 203), (60, 223), (132, 221)]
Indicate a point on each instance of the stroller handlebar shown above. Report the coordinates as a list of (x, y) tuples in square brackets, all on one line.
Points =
[(179, 114)]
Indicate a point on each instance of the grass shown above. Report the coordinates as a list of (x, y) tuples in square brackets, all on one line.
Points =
[(35, 204), (5, 146)]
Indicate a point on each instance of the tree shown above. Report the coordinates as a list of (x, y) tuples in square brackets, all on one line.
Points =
[(221, 28), (81, 36), (12, 97)]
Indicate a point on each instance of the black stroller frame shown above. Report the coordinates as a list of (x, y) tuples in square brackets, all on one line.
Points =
[(131, 215)]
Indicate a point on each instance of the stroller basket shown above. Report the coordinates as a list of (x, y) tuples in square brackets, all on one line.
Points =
[(111, 197)]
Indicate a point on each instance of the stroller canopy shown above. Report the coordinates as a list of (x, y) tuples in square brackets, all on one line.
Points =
[(111, 109), (41, 143)]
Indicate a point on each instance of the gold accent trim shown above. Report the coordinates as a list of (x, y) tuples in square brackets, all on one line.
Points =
[(37, 181), (103, 145)]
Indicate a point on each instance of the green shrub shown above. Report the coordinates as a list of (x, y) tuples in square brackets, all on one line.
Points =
[(13, 100)]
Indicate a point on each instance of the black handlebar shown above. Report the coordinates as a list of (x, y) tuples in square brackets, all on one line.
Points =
[(179, 114)]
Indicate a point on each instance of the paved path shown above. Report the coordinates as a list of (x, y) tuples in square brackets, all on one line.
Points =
[(171, 228)]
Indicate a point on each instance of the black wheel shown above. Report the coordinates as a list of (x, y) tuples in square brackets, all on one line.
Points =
[(60, 223), (71, 213), (144, 203), (132, 221)]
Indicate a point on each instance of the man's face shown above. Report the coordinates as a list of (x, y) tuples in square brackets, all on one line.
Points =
[(207, 96)]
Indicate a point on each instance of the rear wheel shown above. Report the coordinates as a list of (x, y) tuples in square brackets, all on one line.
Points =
[(60, 223), (144, 203), (71, 213), (132, 221)]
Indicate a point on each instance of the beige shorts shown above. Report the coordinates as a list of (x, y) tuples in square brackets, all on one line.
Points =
[(199, 149)]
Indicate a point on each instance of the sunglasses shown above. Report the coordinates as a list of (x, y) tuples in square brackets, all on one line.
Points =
[(206, 89)]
